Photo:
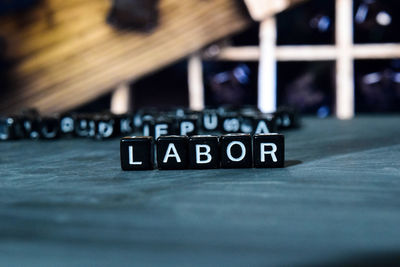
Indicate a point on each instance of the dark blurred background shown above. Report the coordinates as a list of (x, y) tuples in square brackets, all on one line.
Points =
[(308, 86)]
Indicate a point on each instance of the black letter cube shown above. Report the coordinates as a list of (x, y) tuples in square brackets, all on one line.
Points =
[(269, 150), (172, 152), (147, 125), (125, 123), (49, 127), (210, 120), (246, 124), (67, 124), (137, 153), (31, 126), (11, 128), (230, 122), (236, 151), (203, 152), (85, 126), (188, 125), (287, 118), (264, 124), (163, 126), (105, 126)]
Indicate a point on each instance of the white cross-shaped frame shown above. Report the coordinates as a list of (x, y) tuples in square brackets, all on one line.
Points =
[(344, 52)]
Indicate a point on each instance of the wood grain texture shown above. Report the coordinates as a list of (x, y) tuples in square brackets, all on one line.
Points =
[(67, 55), (336, 203)]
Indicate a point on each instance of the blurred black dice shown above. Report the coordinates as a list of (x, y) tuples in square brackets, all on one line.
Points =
[(49, 127), (188, 125), (11, 128)]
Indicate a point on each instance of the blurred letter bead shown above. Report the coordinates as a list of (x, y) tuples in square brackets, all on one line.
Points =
[(136, 153), (210, 120), (31, 127), (230, 123), (49, 128), (10, 128), (269, 150), (188, 125), (125, 123), (67, 124), (84, 126), (204, 152), (172, 152), (163, 126), (104, 127), (264, 124), (236, 151)]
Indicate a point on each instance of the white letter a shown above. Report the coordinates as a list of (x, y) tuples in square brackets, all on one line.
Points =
[(174, 154), (262, 128)]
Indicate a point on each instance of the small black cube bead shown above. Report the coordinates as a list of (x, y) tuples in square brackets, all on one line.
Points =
[(172, 152), (287, 118), (6, 128), (137, 153), (11, 128), (49, 127), (147, 125), (163, 126), (85, 126), (246, 124), (67, 124), (188, 125), (105, 127), (204, 152), (125, 124), (31, 127), (269, 150), (210, 120), (264, 124), (230, 122), (236, 151)]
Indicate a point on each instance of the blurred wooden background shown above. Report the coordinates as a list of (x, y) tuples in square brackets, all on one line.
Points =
[(65, 54)]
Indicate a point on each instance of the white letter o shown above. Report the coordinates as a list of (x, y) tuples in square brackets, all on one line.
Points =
[(229, 153)]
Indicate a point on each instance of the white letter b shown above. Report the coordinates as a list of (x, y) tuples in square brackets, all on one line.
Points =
[(205, 153)]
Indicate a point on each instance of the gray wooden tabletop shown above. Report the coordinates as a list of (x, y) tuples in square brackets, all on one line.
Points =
[(337, 203)]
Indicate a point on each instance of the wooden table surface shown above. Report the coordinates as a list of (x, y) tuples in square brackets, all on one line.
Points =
[(336, 203)]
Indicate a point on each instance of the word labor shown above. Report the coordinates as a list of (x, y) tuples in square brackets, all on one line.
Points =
[(203, 152)]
